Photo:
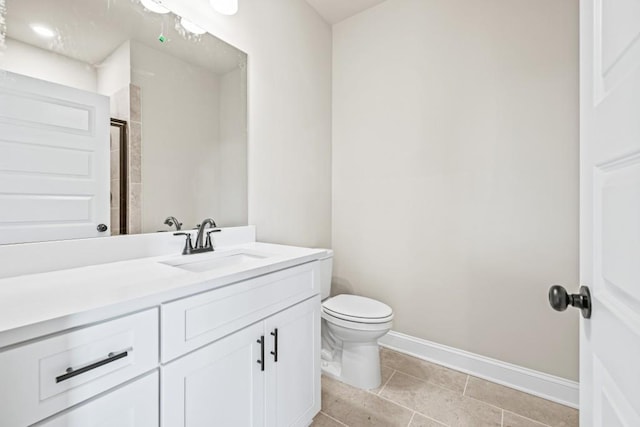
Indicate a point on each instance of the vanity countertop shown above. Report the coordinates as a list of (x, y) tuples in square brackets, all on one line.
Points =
[(37, 304)]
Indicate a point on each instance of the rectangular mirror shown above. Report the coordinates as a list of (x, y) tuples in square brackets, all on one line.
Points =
[(116, 117)]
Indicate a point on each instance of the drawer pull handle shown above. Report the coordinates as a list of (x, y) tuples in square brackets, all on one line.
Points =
[(274, 334), (261, 361), (111, 357)]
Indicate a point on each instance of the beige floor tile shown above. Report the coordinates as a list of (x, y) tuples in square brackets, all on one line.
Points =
[(356, 408), (422, 421), (513, 420), (323, 420), (422, 369), (385, 373), (524, 404), (446, 406)]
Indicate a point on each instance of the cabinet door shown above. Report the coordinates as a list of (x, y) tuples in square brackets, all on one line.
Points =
[(293, 381), (218, 385), (134, 405)]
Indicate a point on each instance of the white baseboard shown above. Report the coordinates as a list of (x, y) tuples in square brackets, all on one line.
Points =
[(547, 386)]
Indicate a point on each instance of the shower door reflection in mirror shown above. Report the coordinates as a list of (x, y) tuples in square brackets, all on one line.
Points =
[(119, 176)]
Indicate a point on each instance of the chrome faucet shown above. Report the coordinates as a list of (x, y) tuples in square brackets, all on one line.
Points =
[(200, 246), (171, 221)]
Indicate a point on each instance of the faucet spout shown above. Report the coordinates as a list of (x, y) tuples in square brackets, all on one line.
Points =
[(200, 239), (173, 221)]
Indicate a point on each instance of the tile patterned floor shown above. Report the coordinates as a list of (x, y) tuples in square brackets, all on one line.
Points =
[(416, 393)]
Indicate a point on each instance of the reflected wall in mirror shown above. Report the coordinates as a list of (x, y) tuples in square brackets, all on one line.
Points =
[(114, 116)]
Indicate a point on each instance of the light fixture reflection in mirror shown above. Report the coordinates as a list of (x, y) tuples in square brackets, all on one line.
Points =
[(154, 6), (191, 27), (174, 96), (225, 7), (43, 31)]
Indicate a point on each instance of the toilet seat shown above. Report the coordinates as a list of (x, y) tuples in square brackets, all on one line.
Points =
[(357, 309)]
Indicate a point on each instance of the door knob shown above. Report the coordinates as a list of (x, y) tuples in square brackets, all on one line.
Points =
[(560, 300), (102, 228)]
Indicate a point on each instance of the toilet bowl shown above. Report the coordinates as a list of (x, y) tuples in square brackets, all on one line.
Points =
[(351, 326)]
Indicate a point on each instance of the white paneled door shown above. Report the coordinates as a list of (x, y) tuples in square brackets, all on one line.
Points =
[(610, 212), (54, 161)]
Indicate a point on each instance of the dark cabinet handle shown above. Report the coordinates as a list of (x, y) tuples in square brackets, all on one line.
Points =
[(274, 334), (112, 357), (102, 228), (261, 361), (560, 300)]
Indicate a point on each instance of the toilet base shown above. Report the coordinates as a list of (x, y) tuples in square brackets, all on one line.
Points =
[(356, 364), (360, 365)]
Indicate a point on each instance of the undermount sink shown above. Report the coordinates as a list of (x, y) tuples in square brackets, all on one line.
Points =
[(212, 261)]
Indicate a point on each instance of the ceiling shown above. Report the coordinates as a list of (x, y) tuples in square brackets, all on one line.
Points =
[(334, 11), (89, 30)]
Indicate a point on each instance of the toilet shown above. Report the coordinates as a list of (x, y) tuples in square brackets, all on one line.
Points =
[(351, 327)]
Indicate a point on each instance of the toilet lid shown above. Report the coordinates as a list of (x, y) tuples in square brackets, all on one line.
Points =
[(356, 307)]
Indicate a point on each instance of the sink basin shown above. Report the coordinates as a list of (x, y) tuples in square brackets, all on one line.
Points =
[(212, 261)]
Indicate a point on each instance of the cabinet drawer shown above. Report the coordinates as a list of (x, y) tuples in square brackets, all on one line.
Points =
[(195, 321), (134, 405), (48, 376)]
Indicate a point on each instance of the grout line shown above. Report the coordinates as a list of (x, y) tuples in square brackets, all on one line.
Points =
[(526, 418), (428, 381), (444, 388), (413, 411), (411, 419), (465, 385), (334, 419), (396, 403), (484, 403), (432, 419), (409, 409), (502, 419), (429, 362), (383, 398), (386, 382)]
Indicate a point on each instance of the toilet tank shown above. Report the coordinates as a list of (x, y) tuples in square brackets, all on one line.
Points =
[(326, 268)]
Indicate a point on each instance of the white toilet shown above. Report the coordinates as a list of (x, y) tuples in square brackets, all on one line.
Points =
[(351, 326)]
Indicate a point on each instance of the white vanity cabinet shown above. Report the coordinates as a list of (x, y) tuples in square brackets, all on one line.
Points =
[(267, 374), (260, 362), (243, 353)]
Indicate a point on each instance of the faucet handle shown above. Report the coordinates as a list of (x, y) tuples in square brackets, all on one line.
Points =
[(188, 246), (208, 243)]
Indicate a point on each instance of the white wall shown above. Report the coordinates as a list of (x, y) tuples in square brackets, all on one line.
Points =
[(289, 48), (455, 171), (42, 64), (180, 134), (231, 167), (114, 72)]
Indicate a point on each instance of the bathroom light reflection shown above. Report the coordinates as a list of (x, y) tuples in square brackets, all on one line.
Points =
[(225, 7)]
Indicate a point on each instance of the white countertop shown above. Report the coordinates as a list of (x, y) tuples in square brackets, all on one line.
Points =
[(38, 304)]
